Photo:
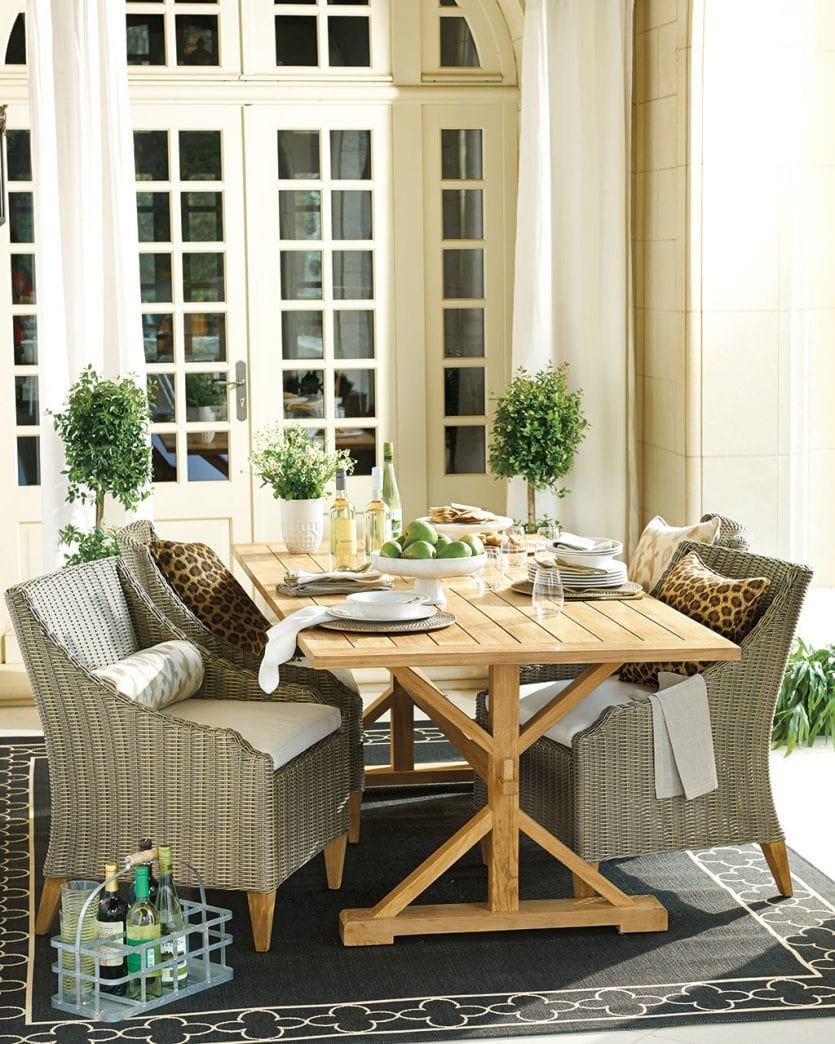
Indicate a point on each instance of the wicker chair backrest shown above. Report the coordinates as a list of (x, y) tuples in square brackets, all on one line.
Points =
[(731, 532), (85, 608)]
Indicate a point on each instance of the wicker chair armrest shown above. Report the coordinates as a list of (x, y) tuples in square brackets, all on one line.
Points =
[(223, 680), (542, 673)]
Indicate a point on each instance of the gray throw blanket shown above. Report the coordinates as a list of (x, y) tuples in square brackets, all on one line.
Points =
[(682, 739)]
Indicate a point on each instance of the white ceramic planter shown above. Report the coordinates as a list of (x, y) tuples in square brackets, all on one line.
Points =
[(303, 524)]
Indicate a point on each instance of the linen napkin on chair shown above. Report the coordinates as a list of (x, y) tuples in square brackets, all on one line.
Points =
[(281, 643), (682, 739)]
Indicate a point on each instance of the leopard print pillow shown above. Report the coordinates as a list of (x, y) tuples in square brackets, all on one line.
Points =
[(729, 607), (206, 586)]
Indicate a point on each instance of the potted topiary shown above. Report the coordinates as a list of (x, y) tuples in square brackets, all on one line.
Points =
[(107, 447), (537, 428), (297, 468)]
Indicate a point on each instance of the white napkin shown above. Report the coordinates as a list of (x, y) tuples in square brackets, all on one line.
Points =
[(281, 642), (365, 576), (683, 743)]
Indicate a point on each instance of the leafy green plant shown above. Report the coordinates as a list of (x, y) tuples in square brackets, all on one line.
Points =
[(537, 428), (293, 464), (203, 390), (107, 446), (806, 704)]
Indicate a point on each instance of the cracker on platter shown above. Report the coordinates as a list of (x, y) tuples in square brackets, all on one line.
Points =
[(460, 514)]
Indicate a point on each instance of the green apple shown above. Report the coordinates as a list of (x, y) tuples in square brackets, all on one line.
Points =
[(442, 541), (391, 549), (419, 549), (419, 530), (456, 549), (474, 542)]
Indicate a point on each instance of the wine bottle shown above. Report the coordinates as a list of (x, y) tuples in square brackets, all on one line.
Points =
[(145, 845), (142, 926), (391, 494), (111, 916), (171, 920), (343, 527), (377, 515)]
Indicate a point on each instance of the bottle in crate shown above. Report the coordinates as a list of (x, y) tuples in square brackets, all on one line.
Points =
[(142, 926), (145, 845), (171, 920), (110, 917)]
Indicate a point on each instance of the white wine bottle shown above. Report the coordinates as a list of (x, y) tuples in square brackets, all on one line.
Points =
[(343, 527), (111, 916), (391, 494), (142, 926), (171, 920), (377, 515)]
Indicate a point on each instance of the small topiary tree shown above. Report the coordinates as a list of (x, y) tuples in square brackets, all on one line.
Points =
[(537, 428), (104, 429)]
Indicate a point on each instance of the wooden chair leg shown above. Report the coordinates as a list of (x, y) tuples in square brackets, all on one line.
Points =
[(335, 861), (354, 813), (48, 906), (778, 863), (582, 889), (261, 912), (486, 848)]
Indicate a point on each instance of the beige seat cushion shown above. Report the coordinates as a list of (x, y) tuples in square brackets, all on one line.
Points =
[(657, 544), (157, 676), (610, 693), (282, 730)]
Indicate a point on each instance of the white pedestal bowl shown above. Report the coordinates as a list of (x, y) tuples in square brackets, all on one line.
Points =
[(428, 572)]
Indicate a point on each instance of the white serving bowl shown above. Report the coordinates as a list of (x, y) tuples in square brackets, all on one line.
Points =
[(385, 605), (428, 572), (600, 556), (458, 529)]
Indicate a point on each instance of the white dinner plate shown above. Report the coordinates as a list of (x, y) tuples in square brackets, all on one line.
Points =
[(459, 529), (409, 612)]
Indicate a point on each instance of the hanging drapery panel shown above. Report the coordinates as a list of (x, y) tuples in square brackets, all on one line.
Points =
[(85, 217), (573, 296)]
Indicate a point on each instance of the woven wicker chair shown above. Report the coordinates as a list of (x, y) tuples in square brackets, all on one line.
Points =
[(731, 533), (133, 544), (599, 795), (119, 771)]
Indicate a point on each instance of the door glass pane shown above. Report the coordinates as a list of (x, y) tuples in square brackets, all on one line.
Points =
[(153, 217), (464, 450), (206, 396), (145, 39), (150, 155), (18, 155), (208, 456), (463, 332), (26, 400), (299, 214), (463, 273), (161, 392), (354, 392), (353, 335), (298, 154), (155, 277), (348, 42), (463, 214), (361, 444), (464, 391), (351, 215), (25, 337), (16, 46), (458, 49), (202, 216), (164, 456), (158, 336), (197, 42), (303, 393), (301, 275), (301, 335), (295, 40), (461, 154), (200, 158), (352, 275), (23, 278), (203, 277), (21, 229), (350, 155), (204, 336), (28, 461)]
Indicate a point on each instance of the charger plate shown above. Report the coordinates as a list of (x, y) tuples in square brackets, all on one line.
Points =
[(586, 594), (432, 623)]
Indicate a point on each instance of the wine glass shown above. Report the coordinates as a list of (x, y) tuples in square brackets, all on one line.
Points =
[(547, 597), (546, 534), (492, 575), (514, 550)]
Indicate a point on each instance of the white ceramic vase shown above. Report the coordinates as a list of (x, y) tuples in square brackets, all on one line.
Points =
[(303, 524)]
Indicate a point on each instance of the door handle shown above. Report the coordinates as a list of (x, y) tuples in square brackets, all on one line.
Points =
[(241, 399)]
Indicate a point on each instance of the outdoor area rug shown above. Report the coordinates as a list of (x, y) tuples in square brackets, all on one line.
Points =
[(734, 952)]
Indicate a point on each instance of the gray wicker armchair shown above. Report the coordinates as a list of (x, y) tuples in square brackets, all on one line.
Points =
[(133, 542), (599, 795), (120, 771), (731, 533)]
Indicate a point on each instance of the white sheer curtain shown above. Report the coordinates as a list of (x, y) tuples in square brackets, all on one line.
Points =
[(86, 247), (572, 296)]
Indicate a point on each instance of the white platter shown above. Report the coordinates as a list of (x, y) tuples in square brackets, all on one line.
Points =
[(459, 529), (407, 612)]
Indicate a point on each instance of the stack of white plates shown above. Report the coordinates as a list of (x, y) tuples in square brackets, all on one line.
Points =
[(613, 574)]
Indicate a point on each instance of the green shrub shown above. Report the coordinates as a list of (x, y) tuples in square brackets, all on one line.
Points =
[(806, 704)]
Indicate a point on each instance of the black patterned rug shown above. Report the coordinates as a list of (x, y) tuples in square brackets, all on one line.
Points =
[(733, 953)]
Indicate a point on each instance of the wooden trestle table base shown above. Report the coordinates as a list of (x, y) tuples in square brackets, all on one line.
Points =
[(497, 629)]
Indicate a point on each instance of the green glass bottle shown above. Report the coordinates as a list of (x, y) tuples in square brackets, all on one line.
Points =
[(142, 926), (391, 493), (171, 920), (145, 845)]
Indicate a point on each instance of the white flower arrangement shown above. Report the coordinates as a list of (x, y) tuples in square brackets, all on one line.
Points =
[(293, 463)]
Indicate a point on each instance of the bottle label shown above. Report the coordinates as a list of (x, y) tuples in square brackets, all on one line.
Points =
[(175, 947), (344, 542), (110, 956), (148, 957), (396, 522)]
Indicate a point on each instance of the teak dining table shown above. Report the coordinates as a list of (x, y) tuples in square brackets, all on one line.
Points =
[(497, 630)]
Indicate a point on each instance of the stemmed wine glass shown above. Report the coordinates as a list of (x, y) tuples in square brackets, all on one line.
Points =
[(547, 597)]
